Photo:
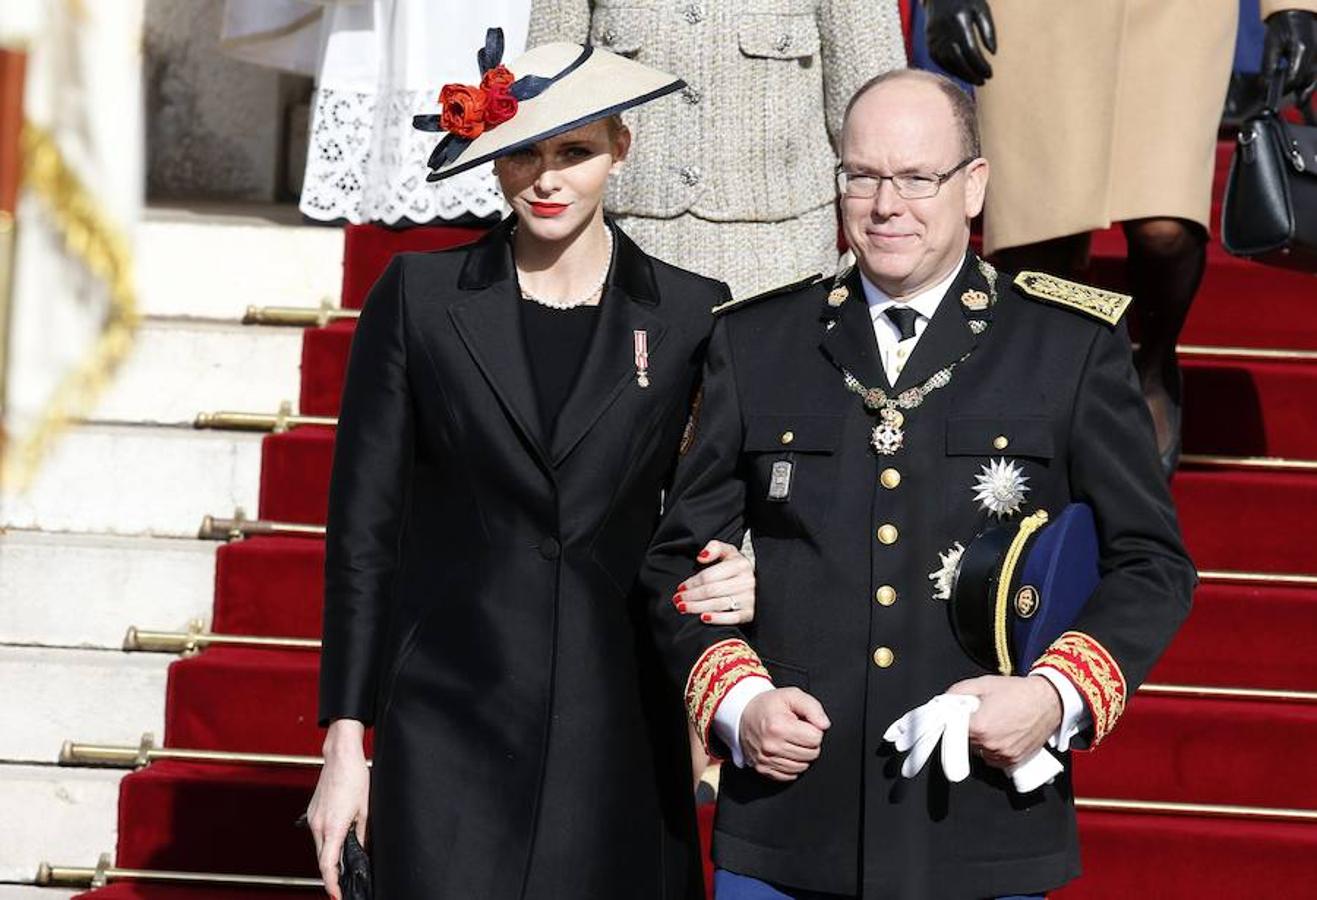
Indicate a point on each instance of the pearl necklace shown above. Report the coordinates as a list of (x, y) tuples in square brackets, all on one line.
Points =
[(585, 298)]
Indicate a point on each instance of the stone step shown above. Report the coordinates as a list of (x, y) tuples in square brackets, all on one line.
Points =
[(212, 261), (95, 696), (68, 818), (178, 368), (28, 892), (125, 479), (84, 590)]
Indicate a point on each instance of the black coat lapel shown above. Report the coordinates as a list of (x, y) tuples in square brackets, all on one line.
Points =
[(948, 336), (851, 343), (630, 304), (489, 323)]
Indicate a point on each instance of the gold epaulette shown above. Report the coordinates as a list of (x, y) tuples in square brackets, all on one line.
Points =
[(784, 289), (1105, 306)]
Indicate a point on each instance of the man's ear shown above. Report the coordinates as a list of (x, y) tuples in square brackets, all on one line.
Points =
[(976, 187)]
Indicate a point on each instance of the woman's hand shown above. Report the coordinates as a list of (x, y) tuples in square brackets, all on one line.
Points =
[(341, 797), (724, 592)]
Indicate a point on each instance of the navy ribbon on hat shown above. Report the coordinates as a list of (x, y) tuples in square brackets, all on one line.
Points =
[(525, 88)]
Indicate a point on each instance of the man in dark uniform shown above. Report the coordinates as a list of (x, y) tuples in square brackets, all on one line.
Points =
[(865, 429)]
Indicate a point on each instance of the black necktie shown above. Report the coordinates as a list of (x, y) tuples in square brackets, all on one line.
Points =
[(904, 318)]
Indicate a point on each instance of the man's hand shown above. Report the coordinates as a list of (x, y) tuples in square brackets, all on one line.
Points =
[(1014, 719), (781, 732), (950, 32)]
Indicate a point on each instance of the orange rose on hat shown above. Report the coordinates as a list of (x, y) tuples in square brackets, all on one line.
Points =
[(463, 110)]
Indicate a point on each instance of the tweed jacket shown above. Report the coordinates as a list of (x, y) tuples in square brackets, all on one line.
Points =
[(752, 136)]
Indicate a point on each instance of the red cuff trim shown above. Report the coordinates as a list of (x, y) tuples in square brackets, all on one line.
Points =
[(1094, 673), (717, 671)]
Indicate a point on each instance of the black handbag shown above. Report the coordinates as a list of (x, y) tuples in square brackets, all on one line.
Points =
[(1270, 209), (354, 869)]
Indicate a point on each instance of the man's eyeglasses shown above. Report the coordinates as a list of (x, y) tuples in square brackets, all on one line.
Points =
[(912, 186)]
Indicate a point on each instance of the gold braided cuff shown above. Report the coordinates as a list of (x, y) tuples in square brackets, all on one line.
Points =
[(1093, 671), (716, 672)]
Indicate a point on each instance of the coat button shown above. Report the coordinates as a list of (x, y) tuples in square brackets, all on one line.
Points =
[(1000, 442), (690, 175), (883, 657), (788, 437), (888, 534), (890, 478), (782, 43), (885, 595), (550, 548), (608, 37), (692, 13), (691, 94)]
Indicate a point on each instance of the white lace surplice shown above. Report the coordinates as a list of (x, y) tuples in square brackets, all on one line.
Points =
[(382, 62)]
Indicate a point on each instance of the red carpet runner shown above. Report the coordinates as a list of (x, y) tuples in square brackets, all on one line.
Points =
[(1254, 634)]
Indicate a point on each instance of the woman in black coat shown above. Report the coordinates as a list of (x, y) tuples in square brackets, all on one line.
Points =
[(512, 413)]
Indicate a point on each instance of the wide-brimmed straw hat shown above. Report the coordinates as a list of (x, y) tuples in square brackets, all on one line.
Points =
[(545, 92)]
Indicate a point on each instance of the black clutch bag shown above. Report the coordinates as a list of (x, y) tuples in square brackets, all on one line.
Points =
[(354, 869), (1270, 209)]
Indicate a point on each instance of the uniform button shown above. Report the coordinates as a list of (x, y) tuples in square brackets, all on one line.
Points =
[(1000, 442), (788, 437), (888, 534), (691, 94), (886, 595), (550, 548), (690, 175), (890, 478), (883, 657)]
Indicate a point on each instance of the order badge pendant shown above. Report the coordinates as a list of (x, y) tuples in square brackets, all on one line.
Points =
[(887, 436)]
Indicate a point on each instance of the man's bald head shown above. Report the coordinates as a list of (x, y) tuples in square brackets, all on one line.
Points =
[(960, 105)]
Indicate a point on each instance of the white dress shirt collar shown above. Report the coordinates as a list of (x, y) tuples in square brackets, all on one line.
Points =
[(925, 302)]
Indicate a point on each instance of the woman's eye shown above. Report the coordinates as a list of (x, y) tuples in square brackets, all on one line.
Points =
[(578, 153)]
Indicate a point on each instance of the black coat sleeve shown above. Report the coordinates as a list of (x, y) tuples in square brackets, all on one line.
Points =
[(706, 502), (1147, 579), (367, 502)]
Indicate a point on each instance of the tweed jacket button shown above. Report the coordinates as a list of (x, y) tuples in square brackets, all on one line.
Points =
[(690, 175), (550, 548), (883, 657), (693, 13), (782, 43), (885, 595), (888, 534), (608, 38), (691, 94), (890, 478)]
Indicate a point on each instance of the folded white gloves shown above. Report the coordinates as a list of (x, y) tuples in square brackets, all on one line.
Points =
[(946, 718)]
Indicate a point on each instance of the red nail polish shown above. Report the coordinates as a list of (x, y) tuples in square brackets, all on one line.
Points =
[(705, 617), (704, 554), (681, 607)]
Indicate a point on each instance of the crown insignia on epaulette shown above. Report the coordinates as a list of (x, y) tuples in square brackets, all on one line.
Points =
[(1105, 306)]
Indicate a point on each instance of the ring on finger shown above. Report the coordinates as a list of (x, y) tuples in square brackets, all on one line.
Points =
[(733, 604)]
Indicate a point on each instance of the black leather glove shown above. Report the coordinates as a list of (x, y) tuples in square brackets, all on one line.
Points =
[(951, 42), (1292, 34)]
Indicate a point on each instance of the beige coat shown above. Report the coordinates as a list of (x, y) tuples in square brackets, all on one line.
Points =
[(751, 138), (1101, 112)]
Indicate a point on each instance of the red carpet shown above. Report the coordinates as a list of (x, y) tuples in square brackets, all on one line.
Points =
[(1227, 751)]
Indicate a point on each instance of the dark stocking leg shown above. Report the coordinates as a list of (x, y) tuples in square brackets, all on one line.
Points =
[(1167, 258)]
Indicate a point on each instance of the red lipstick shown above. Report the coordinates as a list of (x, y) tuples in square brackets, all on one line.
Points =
[(548, 210)]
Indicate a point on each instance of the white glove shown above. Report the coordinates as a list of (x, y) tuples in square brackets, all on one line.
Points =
[(946, 718)]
